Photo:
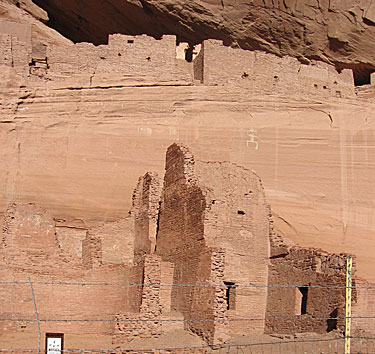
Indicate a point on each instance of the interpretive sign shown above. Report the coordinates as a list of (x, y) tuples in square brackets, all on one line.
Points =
[(54, 343)]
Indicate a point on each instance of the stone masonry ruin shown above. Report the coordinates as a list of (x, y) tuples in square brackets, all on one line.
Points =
[(197, 251), (142, 60), (206, 223)]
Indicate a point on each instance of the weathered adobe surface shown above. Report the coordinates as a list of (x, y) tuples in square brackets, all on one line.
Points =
[(209, 216), (32, 245), (77, 150), (77, 137), (28, 13), (334, 31), (210, 225)]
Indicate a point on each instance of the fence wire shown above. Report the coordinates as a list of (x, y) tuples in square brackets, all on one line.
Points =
[(306, 318), (186, 285), (365, 345)]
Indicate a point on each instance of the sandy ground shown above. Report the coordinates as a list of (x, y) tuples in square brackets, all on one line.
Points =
[(308, 343)]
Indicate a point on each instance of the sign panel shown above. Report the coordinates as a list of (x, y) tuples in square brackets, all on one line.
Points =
[(54, 343)]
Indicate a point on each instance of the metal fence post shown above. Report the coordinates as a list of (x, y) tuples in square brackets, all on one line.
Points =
[(36, 313)]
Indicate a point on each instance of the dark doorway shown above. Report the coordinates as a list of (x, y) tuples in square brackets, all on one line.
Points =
[(304, 291), (189, 54), (332, 321), (230, 295), (362, 76)]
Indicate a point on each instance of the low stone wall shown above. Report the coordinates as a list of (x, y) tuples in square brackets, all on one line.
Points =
[(302, 296), (146, 323), (30, 247)]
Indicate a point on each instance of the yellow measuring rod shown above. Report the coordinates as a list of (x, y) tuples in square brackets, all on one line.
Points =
[(348, 303)]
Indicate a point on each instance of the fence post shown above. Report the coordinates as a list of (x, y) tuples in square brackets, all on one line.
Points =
[(348, 303), (36, 313)]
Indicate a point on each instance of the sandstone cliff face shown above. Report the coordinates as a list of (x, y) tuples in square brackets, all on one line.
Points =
[(75, 140), (76, 147), (26, 12), (335, 31)]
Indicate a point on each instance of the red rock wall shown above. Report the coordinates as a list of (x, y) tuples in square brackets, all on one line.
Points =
[(145, 210), (263, 72), (363, 322), (294, 266), (236, 221), (144, 324), (207, 210), (30, 247)]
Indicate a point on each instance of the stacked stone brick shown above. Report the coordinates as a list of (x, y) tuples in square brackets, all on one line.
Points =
[(143, 60), (146, 323), (192, 245), (310, 269)]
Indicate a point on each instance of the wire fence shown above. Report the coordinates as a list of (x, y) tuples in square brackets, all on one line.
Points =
[(305, 318), (251, 285), (284, 346)]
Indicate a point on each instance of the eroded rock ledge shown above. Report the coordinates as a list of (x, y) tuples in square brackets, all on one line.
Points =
[(334, 31)]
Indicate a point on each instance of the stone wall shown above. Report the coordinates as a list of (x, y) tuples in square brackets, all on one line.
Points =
[(180, 240), (6, 49), (236, 221), (14, 53), (211, 209), (70, 239), (263, 72), (117, 241), (363, 309), (307, 296), (147, 322), (15, 45), (125, 58), (145, 210), (129, 60), (31, 247), (21, 31), (144, 324)]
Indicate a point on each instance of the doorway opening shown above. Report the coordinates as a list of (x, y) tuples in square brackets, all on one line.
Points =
[(230, 295), (301, 300)]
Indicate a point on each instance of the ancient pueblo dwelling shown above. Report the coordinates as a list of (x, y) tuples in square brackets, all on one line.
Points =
[(256, 187)]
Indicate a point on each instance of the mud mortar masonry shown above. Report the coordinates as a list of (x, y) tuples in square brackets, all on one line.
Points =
[(142, 59), (210, 249), (207, 224)]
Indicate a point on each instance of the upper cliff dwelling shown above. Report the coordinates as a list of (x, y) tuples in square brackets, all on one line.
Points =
[(326, 31), (146, 60)]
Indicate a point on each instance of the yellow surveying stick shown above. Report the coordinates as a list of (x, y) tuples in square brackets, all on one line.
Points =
[(348, 302)]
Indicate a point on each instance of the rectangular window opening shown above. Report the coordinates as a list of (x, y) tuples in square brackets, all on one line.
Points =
[(301, 300), (332, 320), (230, 294)]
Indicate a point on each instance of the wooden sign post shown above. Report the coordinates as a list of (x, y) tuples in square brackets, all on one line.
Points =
[(348, 307)]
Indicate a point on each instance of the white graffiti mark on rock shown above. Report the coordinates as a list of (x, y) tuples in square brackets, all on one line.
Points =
[(253, 138), (145, 131)]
